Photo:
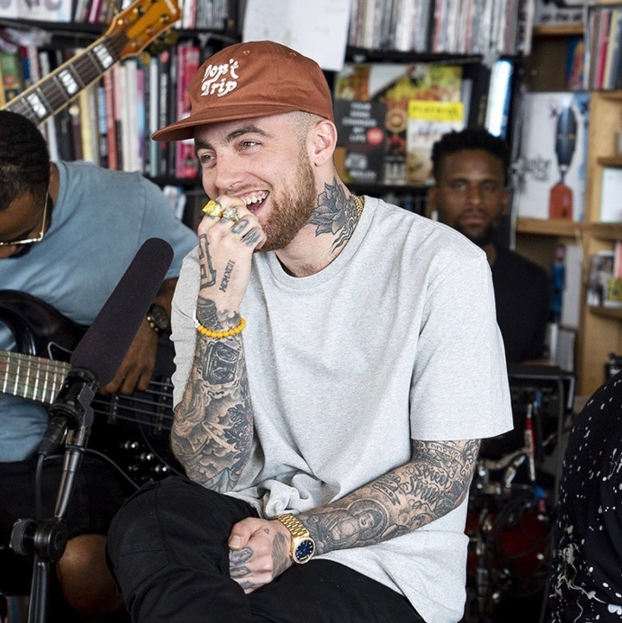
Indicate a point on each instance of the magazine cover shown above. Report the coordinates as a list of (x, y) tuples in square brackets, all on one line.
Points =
[(599, 277), (359, 156), (411, 125), (553, 147)]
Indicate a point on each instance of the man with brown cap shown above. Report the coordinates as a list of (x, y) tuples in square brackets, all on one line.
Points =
[(331, 384)]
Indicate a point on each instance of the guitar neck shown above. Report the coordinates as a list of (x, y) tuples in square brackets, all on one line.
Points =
[(55, 91), (128, 34), (31, 377)]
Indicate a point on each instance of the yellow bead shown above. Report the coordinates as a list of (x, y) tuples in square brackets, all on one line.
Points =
[(218, 335)]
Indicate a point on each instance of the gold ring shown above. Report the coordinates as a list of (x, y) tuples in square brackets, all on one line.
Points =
[(230, 214), (213, 208)]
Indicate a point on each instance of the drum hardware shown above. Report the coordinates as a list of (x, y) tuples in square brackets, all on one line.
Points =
[(509, 522)]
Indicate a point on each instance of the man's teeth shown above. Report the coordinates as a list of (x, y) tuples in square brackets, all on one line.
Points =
[(254, 199)]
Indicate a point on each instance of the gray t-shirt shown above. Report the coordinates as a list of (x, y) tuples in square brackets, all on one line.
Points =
[(394, 340)]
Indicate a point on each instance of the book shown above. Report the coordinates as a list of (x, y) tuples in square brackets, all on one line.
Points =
[(612, 78), (601, 49), (11, 74), (164, 88), (102, 125), (359, 156), (397, 86), (599, 276), (186, 164), (49, 127), (119, 111), (565, 278), (552, 156), (129, 120), (611, 191), (154, 115), (617, 260), (64, 134), (428, 120), (575, 64), (111, 128)]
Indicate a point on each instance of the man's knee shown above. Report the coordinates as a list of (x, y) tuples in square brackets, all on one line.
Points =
[(84, 577)]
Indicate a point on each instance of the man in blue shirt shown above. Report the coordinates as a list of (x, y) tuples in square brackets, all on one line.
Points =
[(68, 232)]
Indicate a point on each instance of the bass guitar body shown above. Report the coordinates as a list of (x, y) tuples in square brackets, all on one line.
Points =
[(133, 431)]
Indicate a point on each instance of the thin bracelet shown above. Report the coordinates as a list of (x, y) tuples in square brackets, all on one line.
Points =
[(219, 335)]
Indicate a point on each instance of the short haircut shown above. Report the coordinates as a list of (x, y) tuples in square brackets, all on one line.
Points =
[(24, 159), (471, 138)]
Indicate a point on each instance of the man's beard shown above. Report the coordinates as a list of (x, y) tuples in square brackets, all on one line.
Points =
[(292, 209), (480, 238)]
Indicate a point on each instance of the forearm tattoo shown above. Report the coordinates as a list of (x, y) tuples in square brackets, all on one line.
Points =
[(335, 214), (213, 427), (207, 276), (433, 483)]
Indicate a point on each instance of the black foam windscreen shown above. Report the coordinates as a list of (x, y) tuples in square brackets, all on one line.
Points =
[(102, 348)]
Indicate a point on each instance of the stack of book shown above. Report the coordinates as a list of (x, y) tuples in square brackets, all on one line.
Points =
[(486, 27), (110, 123), (604, 36), (213, 15)]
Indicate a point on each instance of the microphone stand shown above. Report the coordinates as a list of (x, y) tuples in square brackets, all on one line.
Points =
[(47, 538)]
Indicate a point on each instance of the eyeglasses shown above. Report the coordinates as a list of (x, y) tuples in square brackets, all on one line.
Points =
[(38, 237)]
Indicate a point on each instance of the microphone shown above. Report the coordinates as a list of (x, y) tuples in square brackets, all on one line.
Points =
[(101, 350)]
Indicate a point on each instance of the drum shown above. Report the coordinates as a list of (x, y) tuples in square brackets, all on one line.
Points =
[(509, 538)]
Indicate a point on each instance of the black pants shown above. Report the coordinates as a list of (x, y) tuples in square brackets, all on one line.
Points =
[(168, 550), (97, 495)]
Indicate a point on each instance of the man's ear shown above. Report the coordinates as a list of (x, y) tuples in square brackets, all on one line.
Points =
[(322, 142)]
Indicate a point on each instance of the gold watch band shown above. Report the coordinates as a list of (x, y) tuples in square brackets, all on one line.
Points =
[(294, 526)]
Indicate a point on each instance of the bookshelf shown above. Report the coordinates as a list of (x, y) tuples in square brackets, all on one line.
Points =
[(600, 328)]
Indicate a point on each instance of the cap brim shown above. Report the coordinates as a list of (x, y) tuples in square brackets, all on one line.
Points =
[(184, 128)]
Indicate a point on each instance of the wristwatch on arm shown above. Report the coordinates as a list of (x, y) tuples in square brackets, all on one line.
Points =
[(158, 319), (303, 546)]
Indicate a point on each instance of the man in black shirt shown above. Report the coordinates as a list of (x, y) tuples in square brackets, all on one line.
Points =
[(586, 583), (471, 195)]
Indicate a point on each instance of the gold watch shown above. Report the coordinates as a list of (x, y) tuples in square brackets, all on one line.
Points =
[(303, 546)]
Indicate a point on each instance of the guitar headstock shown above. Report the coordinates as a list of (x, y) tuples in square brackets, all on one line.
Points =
[(142, 22)]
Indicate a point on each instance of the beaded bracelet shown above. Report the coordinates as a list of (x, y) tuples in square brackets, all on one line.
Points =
[(219, 335)]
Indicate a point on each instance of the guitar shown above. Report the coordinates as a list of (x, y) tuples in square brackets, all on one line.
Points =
[(132, 430), (128, 34)]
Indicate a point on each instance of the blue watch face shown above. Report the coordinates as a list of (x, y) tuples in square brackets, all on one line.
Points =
[(304, 550)]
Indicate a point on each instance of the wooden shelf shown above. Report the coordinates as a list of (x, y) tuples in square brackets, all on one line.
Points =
[(551, 227), (615, 95), (558, 30), (606, 231), (607, 312), (610, 161)]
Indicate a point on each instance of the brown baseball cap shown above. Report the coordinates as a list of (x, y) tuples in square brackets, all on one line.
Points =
[(253, 79)]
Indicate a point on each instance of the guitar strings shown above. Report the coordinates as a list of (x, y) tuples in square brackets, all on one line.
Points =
[(154, 404), (54, 92)]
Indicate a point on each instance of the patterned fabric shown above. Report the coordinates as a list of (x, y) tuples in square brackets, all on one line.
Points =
[(586, 585)]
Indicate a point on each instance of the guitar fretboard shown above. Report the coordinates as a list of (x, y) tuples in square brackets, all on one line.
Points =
[(31, 377), (54, 92), (40, 379)]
